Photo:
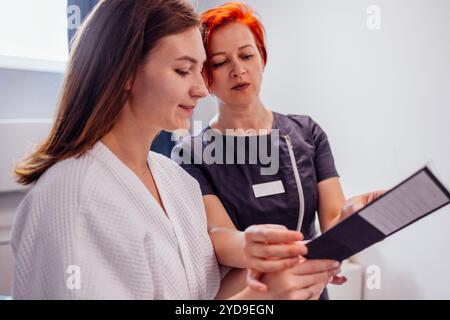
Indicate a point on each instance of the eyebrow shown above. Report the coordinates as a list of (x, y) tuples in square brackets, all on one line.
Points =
[(187, 58), (240, 48)]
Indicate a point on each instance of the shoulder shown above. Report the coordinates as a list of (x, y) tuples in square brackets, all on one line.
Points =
[(304, 121), (54, 200), (65, 184), (307, 124), (65, 177)]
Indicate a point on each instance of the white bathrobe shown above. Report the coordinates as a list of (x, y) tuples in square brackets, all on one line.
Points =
[(89, 229)]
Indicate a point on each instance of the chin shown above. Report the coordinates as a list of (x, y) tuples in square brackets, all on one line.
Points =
[(180, 125), (244, 101)]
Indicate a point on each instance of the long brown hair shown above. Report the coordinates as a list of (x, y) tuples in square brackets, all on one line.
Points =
[(112, 42)]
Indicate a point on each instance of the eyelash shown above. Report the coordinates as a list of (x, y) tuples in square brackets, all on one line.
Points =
[(246, 57), (217, 65), (182, 73)]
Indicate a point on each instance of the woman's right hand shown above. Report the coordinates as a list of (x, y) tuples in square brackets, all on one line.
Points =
[(270, 248), (304, 281)]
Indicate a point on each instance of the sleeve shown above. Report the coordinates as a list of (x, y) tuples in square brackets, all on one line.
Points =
[(323, 157), (185, 154)]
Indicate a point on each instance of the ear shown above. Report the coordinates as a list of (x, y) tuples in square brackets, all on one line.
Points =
[(129, 83)]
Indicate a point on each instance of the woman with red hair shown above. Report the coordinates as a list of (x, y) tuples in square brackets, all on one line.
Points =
[(246, 207)]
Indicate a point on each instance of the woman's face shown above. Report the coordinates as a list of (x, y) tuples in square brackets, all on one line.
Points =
[(167, 87), (236, 65)]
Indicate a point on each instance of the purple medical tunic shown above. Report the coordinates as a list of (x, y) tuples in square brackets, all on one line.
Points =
[(304, 159)]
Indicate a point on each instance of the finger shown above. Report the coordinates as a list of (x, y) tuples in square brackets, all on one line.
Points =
[(353, 205), (357, 206), (375, 195), (313, 279), (338, 280), (266, 226), (274, 226), (263, 265), (272, 235), (317, 289), (253, 281), (315, 266), (308, 293), (277, 251), (303, 242)]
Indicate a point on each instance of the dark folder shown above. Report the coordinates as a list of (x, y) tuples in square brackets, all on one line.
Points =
[(406, 203)]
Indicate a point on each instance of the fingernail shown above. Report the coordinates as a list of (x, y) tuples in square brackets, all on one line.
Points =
[(336, 264)]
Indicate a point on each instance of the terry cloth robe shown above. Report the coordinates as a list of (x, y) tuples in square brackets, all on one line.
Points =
[(89, 229)]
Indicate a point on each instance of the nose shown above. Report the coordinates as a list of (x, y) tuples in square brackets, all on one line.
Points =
[(199, 90), (238, 70)]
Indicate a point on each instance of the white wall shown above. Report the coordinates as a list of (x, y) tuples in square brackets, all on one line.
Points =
[(27, 99), (383, 98), (8, 205)]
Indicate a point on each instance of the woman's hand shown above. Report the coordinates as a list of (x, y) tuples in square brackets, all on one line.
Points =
[(351, 206), (304, 281), (270, 248), (358, 202)]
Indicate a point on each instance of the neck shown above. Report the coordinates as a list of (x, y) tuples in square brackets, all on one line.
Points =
[(253, 116), (130, 141)]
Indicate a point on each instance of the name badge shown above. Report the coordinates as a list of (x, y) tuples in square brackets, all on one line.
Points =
[(268, 188)]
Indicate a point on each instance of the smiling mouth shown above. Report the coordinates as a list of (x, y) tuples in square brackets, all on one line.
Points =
[(241, 86), (187, 108)]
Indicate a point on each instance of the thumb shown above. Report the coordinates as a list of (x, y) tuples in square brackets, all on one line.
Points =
[(253, 281)]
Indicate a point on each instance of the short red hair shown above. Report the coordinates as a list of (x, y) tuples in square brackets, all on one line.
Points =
[(229, 12)]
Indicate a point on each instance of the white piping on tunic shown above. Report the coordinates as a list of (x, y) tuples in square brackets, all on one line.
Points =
[(297, 181)]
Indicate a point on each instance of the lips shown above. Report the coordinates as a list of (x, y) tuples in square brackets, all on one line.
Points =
[(186, 107), (241, 86)]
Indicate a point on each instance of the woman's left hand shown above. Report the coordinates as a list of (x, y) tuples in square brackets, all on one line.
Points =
[(351, 206), (357, 202)]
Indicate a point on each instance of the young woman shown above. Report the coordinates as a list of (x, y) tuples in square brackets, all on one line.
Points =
[(239, 195), (106, 219)]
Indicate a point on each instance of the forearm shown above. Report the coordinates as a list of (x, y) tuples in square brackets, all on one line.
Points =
[(234, 287), (330, 222), (233, 283), (227, 245)]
